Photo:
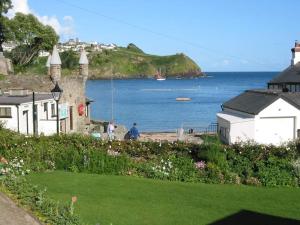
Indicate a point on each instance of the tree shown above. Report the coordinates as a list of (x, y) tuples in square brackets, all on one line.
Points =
[(31, 36), (5, 5)]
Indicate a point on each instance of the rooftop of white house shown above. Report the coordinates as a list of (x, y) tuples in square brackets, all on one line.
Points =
[(254, 101), (289, 75), (7, 99)]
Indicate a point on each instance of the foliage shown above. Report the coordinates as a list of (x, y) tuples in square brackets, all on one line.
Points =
[(5, 5), (69, 59), (134, 48), (52, 212), (31, 37), (246, 163), (125, 63)]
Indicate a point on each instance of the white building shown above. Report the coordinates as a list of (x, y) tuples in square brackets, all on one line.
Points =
[(16, 112), (269, 116)]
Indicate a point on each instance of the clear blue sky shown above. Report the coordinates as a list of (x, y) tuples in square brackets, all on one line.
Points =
[(220, 35)]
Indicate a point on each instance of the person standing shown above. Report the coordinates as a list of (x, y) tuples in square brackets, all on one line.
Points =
[(111, 130), (134, 133)]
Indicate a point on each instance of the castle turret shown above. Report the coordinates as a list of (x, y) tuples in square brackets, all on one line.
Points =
[(295, 54), (83, 64), (55, 66), (48, 65)]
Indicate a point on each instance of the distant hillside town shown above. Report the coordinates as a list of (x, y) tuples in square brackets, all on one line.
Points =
[(72, 44)]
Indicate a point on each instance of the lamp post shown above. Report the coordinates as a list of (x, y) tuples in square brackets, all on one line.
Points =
[(56, 93)]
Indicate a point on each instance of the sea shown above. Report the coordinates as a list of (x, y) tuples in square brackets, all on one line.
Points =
[(152, 104)]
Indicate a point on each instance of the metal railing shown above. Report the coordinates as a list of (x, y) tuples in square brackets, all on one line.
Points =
[(212, 128)]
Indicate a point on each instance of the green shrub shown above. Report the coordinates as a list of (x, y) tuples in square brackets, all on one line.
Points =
[(275, 172), (27, 194), (239, 163)]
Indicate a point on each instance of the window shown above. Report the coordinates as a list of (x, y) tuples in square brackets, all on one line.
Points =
[(224, 132), (53, 110), (46, 109), (5, 112)]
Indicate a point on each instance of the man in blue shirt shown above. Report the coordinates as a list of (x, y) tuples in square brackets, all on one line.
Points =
[(134, 133)]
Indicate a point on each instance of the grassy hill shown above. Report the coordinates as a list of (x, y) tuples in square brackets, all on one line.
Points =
[(130, 62)]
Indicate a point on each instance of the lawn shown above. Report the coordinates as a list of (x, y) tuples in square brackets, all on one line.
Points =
[(121, 200)]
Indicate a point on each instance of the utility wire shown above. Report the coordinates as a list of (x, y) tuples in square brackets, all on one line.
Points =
[(216, 53)]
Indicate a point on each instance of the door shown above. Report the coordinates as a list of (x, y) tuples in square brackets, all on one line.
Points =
[(71, 117), (63, 126), (25, 114), (275, 130)]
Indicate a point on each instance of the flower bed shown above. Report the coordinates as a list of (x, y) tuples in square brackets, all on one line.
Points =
[(210, 162)]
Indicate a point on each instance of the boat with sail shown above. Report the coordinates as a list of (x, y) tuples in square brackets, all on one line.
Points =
[(159, 76)]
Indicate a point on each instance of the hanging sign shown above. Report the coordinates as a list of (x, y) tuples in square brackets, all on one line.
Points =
[(63, 111)]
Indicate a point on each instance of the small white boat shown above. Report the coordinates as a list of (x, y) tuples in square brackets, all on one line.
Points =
[(158, 76), (183, 99)]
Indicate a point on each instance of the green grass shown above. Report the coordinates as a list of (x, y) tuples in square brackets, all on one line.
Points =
[(127, 200)]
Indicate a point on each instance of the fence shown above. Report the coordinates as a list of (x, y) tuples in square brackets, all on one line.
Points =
[(212, 128)]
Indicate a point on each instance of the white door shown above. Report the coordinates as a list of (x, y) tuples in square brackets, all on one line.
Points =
[(275, 130)]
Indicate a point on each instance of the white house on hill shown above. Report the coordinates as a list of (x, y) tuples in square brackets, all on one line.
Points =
[(268, 116)]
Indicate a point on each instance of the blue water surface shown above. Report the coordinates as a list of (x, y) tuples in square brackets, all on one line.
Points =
[(152, 104)]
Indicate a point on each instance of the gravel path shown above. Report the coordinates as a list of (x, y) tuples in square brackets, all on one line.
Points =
[(11, 214)]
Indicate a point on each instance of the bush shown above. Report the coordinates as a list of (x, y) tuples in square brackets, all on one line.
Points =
[(52, 212), (208, 162)]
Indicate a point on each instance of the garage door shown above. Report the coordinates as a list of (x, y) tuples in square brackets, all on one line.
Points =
[(275, 130)]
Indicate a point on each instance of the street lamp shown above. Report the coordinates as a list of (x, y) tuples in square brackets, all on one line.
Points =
[(56, 94)]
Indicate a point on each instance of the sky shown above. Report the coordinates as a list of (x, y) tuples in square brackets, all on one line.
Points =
[(219, 35)]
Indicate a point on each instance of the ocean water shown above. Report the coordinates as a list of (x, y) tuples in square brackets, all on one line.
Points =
[(152, 104)]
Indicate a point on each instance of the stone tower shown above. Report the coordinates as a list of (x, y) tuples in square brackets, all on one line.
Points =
[(48, 65), (83, 64), (55, 66)]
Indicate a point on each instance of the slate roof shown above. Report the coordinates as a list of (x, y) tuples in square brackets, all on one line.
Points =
[(17, 100), (55, 59), (254, 101), (289, 75), (83, 58), (48, 61)]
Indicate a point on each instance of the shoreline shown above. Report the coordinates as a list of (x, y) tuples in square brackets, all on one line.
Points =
[(170, 137), (140, 77)]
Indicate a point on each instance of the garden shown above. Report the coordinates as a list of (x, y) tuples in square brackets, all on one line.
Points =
[(89, 181)]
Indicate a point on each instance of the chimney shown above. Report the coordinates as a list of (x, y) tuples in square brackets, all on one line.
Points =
[(295, 54), (55, 66), (48, 65), (83, 64)]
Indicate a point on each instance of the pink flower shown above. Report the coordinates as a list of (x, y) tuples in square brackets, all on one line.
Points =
[(200, 165)]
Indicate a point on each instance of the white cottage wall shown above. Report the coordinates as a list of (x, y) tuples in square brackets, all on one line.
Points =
[(11, 123), (277, 123)]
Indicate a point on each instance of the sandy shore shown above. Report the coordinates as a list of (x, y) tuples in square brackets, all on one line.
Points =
[(168, 136)]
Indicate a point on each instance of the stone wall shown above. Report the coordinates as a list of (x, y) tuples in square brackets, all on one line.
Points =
[(74, 95), (6, 67)]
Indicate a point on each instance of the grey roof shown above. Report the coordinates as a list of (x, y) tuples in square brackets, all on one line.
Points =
[(17, 100), (48, 61), (55, 59), (252, 101), (289, 75), (83, 58)]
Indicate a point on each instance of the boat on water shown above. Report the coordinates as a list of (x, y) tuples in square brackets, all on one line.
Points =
[(159, 77), (183, 99)]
